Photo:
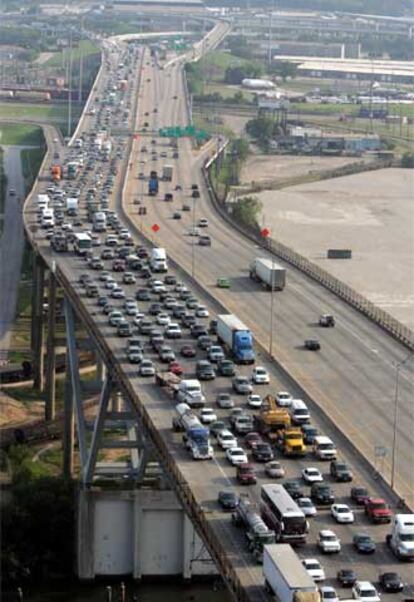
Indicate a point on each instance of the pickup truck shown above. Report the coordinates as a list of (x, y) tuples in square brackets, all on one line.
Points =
[(246, 474), (378, 510)]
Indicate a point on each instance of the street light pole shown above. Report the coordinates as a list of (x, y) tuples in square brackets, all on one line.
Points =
[(272, 291), (192, 243), (398, 367)]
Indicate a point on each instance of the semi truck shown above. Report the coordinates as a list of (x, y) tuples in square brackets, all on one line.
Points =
[(269, 273), (158, 260), (189, 391), (401, 538), (257, 533), (167, 173), (236, 337), (196, 437), (99, 221), (56, 172), (153, 184), (286, 577)]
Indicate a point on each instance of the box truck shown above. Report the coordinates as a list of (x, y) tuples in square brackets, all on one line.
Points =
[(167, 173), (236, 337), (158, 260), (286, 577), (269, 273)]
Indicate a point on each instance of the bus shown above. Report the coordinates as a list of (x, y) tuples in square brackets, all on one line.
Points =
[(82, 243), (283, 515)]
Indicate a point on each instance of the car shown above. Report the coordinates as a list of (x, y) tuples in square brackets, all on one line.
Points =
[(311, 475), (198, 330), (391, 582), (173, 331), (254, 400), (228, 500), (166, 354), (342, 513), (326, 320), (226, 368), (246, 474), (227, 440), (377, 510), (134, 354), (129, 278), (203, 222), (115, 317), (217, 427), (274, 469), (143, 294), (340, 471), (154, 309), (194, 231), (204, 342), (307, 506), (163, 319), (346, 577), (223, 282), (12, 192), (309, 433), (215, 353), (260, 376), (328, 594), (322, 494), (202, 312), (359, 495), (328, 542), (365, 591), (252, 439), (170, 280), (314, 569), (204, 240), (187, 351), (204, 370), (131, 308), (293, 488), (117, 293), (176, 368), (283, 399), (224, 401), (188, 320), (262, 452), (207, 415), (176, 215), (234, 414), (364, 543), (312, 344), (241, 385), (236, 455), (146, 368)]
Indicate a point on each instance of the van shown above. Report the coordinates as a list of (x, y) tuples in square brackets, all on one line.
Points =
[(299, 412), (323, 448)]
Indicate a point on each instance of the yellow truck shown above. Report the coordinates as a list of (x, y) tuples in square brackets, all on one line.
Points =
[(271, 418), (290, 442)]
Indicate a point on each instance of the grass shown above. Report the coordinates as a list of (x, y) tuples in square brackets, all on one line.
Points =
[(85, 48), (31, 159), (19, 133), (227, 91), (54, 114), (3, 187)]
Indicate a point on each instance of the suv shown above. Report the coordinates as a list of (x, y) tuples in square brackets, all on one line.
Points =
[(204, 370), (242, 385), (246, 474), (322, 494), (340, 471)]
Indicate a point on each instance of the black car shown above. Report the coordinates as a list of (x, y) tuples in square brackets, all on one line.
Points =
[(204, 370), (364, 543), (346, 577), (359, 495), (340, 471), (198, 330), (226, 368), (187, 351), (154, 309), (102, 301), (143, 294), (262, 452), (322, 494), (309, 433), (170, 279), (312, 344), (294, 489), (188, 320), (216, 427), (204, 342), (213, 326), (391, 582), (228, 500)]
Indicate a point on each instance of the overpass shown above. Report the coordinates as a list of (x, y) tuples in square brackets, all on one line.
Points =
[(146, 410)]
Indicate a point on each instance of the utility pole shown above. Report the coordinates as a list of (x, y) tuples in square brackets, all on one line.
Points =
[(80, 63), (69, 129)]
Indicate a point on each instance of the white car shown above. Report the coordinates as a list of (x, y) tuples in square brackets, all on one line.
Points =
[(158, 287), (215, 353), (117, 293), (173, 331), (203, 222), (146, 368), (110, 284), (274, 469), (365, 591), (307, 506), (195, 231), (283, 399), (137, 318), (342, 513), (260, 376), (311, 475), (328, 594), (202, 312), (163, 319), (224, 401), (328, 542), (131, 308), (254, 400), (313, 567), (207, 416), (226, 440), (115, 317), (236, 455), (134, 355)]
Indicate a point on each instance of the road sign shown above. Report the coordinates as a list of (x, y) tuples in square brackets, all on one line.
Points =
[(380, 451), (265, 232), (155, 227)]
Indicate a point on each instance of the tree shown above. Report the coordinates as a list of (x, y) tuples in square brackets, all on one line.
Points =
[(240, 148), (262, 128), (235, 75), (285, 69), (246, 211), (407, 160)]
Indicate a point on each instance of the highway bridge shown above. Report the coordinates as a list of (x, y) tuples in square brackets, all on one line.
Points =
[(350, 385)]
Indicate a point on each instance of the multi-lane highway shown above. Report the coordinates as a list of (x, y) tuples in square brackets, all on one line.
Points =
[(298, 307), (353, 377)]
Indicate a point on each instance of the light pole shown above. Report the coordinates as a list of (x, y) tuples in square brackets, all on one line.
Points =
[(398, 367), (265, 232), (192, 242)]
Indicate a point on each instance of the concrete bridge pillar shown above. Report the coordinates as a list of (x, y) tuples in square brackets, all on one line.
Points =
[(69, 428), (37, 342), (50, 408)]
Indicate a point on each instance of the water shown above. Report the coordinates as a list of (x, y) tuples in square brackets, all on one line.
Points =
[(147, 592)]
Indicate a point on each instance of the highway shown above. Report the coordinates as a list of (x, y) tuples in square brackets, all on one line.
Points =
[(156, 407), (353, 378)]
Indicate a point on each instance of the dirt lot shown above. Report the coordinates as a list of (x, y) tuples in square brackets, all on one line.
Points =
[(265, 168), (371, 213)]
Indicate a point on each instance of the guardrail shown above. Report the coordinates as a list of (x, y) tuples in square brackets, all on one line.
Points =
[(380, 317)]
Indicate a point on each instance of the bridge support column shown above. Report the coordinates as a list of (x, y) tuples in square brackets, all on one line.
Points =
[(85, 535), (68, 429), (37, 342), (50, 409)]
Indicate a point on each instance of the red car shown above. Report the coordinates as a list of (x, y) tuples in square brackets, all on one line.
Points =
[(252, 439), (188, 351), (378, 510), (176, 368), (246, 474), (119, 265)]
